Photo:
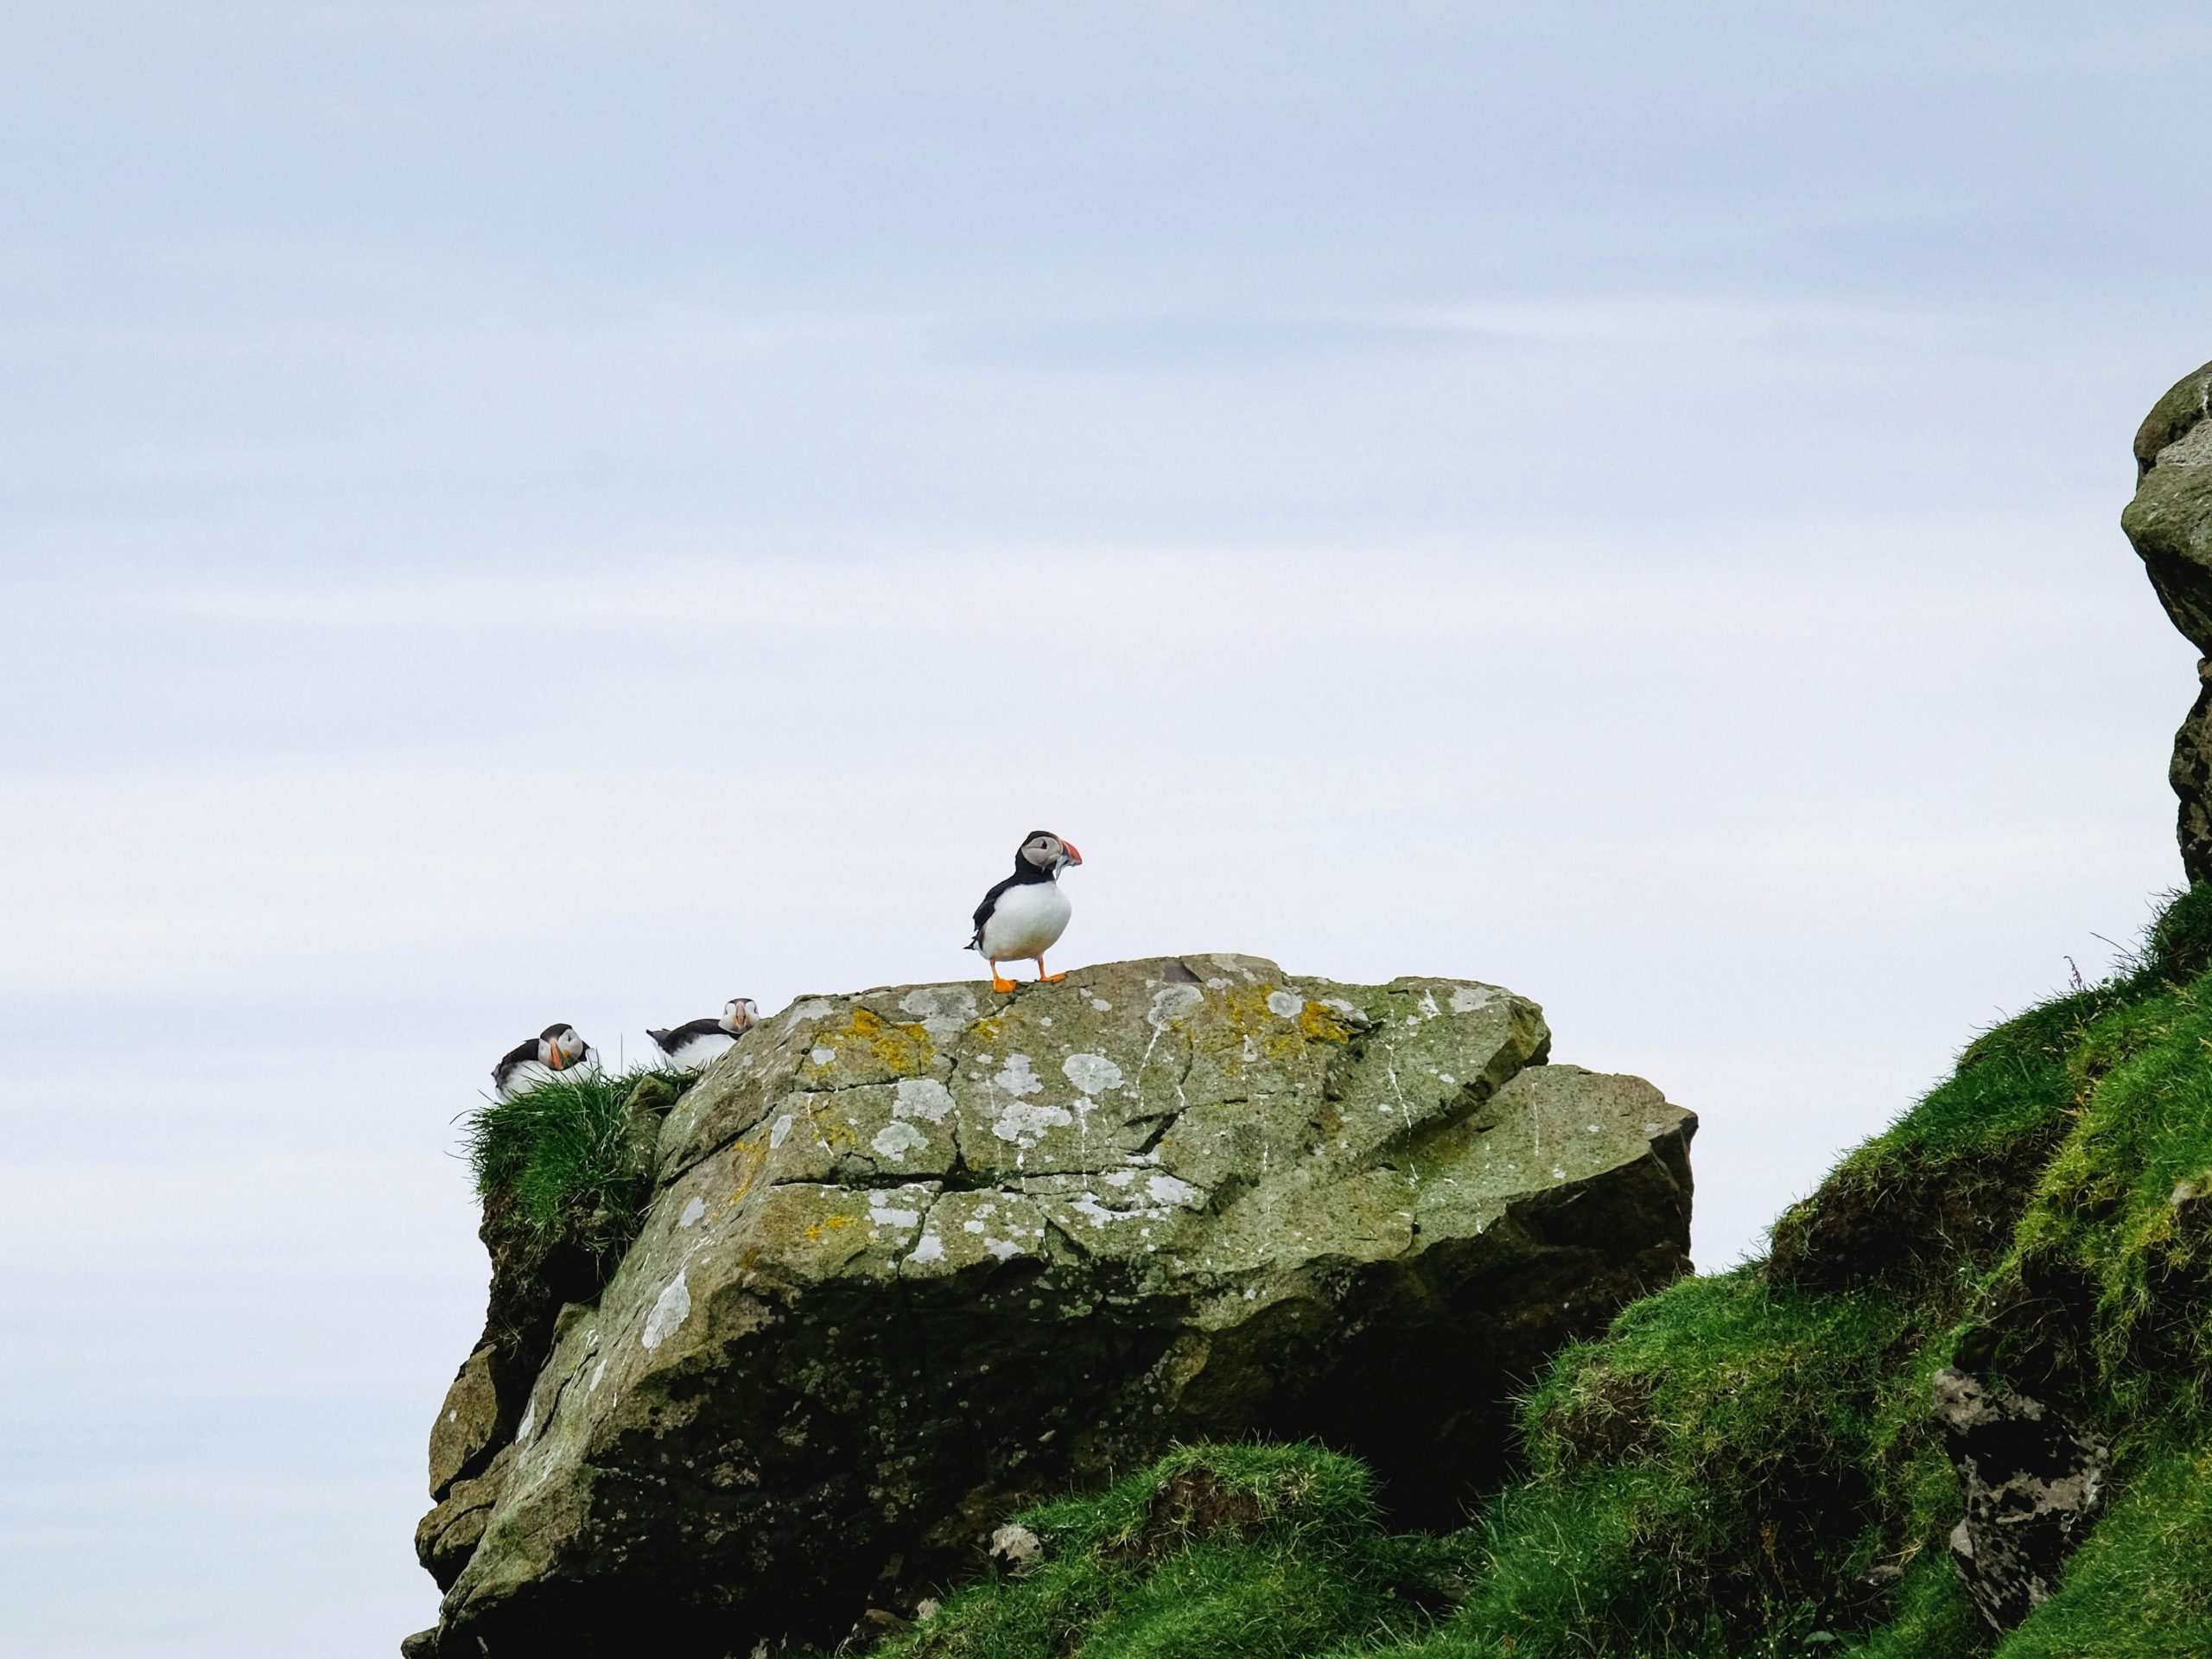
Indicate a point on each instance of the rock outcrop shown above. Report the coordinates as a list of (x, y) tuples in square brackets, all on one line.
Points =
[(2170, 524), (2032, 1484), (920, 1257)]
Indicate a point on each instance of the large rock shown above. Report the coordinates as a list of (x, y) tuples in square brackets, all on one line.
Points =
[(2170, 524), (923, 1255)]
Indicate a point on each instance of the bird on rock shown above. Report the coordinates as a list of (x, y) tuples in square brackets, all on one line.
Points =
[(696, 1041), (557, 1049), (1024, 916)]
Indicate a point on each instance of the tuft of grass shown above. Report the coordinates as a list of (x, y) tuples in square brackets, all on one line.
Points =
[(2105, 1299), (1709, 1478), (1248, 1552), (1929, 1204), (2178, 945), (570, 1160)]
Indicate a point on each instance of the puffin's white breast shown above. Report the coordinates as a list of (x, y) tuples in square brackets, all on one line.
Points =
[(1028, 921), (527, 1076), (523, 1079), (694, 1052)]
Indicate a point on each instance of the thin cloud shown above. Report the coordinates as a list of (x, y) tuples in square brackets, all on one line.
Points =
[(1358, 593)]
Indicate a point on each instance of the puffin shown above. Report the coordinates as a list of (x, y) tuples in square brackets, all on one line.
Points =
[(557, 1048), (1024, 916), (696, 1041)]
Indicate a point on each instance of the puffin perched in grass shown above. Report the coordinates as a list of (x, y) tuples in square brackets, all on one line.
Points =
[(557, 1048), (1024, 916), (696, 1041)]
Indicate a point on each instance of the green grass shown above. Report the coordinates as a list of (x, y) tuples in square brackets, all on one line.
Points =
[(1213, 1553), (1744, 1463), (570, 1160)]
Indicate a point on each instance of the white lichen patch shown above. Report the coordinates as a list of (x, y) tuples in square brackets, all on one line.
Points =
[(928, 1250), (891, 1215), (1469, 998), (670, 1309), (1167, 1189), (946, 1011), (922, 1097), (1025, 1123), (1172, 1002), (1102, 1005), (1015, 1078), (1095, 1213), (822, 1056), (779, 1131), (692, 1212), (896, 1138), (1286, 1005), (1121, 1177), (1094, 1074)]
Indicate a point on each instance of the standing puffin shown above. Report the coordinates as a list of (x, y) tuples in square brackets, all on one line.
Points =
[(1024, 916), (555, 1049), (696, 1041)]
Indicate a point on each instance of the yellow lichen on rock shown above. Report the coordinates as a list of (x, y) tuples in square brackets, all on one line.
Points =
[(1322, 1024), (905, 1048)]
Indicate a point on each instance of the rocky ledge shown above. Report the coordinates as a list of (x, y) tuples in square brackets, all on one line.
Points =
[(918, 1257)]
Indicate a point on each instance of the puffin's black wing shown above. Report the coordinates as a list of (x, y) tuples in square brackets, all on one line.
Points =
[(983, 911), (676, 1037), (520, 1054)]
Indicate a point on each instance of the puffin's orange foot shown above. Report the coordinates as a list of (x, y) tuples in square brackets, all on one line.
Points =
[(1050, 979), (998, 984)]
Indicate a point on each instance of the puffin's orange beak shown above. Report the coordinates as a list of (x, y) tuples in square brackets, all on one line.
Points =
[(1074, 857), (557, 1060)]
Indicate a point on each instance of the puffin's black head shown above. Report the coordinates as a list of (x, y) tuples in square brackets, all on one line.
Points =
[(561, 1045), (1043, 850)]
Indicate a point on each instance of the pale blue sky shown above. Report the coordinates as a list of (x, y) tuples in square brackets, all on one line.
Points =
[(517, 511)]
